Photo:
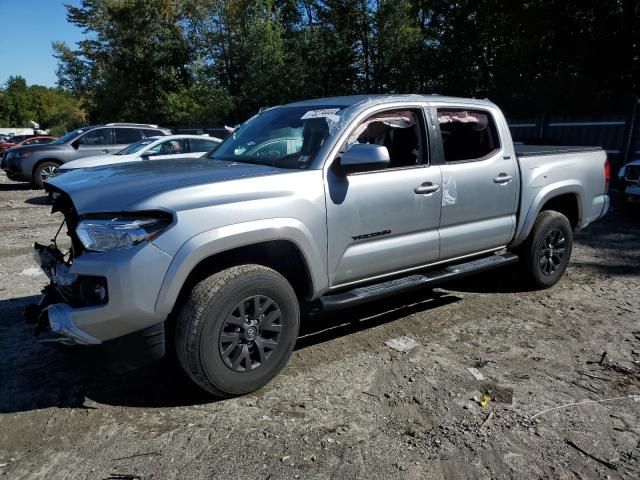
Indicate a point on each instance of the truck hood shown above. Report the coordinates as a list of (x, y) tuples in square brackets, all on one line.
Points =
[(116, 188)]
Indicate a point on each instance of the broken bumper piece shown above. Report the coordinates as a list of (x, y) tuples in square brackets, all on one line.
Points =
[(61, 299), (56, 319), (61, 323)]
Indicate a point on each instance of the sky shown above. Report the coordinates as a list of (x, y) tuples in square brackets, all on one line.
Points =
[(27, 29)]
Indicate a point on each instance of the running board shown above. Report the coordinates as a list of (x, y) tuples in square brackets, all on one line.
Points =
[(431, 278)]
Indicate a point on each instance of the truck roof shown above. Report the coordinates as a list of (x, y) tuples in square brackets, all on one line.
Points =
[(385, 98)]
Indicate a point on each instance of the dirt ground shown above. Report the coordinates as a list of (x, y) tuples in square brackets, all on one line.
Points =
[(347, 406)]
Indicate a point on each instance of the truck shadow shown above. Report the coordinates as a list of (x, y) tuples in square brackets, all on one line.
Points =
[(35, 376), (11, 186), (38, 200)]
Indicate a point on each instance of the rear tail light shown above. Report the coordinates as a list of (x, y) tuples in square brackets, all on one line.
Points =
[(607, 175)]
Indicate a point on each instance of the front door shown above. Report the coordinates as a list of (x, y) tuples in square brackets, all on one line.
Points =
[(384, 220), (98, 141), (480, 183)]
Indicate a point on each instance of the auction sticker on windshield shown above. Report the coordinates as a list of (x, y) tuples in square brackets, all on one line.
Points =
[(326, 112)]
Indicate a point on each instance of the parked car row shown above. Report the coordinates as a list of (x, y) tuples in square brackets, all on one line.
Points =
[(100, 145)]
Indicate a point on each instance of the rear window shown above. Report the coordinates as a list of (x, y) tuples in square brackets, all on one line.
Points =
[(201, 145), (125, 136), (467, 134)]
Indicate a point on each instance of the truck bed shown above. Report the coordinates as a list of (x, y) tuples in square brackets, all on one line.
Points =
[(535, 150)]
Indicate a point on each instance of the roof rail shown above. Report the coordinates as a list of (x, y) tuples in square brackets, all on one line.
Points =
[(127, 124)]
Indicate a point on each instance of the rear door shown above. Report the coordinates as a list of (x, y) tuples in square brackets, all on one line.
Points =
[(479, 178), (381, 221), (124, 136)]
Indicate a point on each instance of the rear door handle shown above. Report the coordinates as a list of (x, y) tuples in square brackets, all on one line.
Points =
[(503, 178), (427, 188)]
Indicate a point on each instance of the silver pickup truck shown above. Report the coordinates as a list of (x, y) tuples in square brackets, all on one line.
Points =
[(332, 202)]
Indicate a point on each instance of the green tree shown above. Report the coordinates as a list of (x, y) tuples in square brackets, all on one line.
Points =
[(53, 108), (134, 58)]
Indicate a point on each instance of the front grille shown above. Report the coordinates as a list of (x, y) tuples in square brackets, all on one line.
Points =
[(632, 173)]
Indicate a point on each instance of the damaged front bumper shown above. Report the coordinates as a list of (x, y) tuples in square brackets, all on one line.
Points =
[(99, 297), (54, 312)]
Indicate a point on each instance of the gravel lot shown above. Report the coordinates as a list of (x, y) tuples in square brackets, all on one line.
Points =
[(347, 406)]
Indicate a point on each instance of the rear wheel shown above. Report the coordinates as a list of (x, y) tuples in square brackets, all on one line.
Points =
[(43, 172), (237, 329), (546, 252)]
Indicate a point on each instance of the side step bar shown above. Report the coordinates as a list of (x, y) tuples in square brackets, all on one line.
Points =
[(431, 278)]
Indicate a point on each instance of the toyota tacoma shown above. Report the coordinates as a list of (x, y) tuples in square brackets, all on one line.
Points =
[(330, 202)]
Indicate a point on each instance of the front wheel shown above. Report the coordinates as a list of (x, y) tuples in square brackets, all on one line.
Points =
[(237, 329), (43, 172), (546, 252)]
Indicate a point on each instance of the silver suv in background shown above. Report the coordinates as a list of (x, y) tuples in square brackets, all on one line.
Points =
[(37, 163)]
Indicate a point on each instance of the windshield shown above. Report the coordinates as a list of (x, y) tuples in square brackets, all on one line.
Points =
[(284, 137), (136, 147), (69, 136)]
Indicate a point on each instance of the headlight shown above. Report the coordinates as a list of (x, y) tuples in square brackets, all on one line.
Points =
[(104, 233), (23, 154)]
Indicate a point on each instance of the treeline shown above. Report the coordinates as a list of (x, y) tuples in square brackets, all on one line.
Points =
[(53, 108), (180, 62)]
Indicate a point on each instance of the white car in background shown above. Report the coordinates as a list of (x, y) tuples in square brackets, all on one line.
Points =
[(629, 178), (152, 148)]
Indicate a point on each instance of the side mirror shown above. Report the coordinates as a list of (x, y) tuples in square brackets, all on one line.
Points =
[(75, 144), (365, 155), (147, 155)]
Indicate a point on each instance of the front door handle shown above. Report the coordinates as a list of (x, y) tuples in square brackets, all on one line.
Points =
[(427, 188), (503, 178)]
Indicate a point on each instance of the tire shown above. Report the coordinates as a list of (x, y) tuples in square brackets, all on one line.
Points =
[(209, 347), (546, 252), (44, 171)]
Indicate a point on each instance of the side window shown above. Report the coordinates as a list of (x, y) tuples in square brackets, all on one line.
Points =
[(170, 147), (401, 131), (201, 145), (125, 136), (467, 134), (99, 136)]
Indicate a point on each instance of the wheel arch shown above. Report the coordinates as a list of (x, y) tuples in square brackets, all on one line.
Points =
[(287, 249), (565, 198)]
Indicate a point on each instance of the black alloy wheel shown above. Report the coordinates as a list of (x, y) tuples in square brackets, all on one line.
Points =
[(552, 252), (250, 333)]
